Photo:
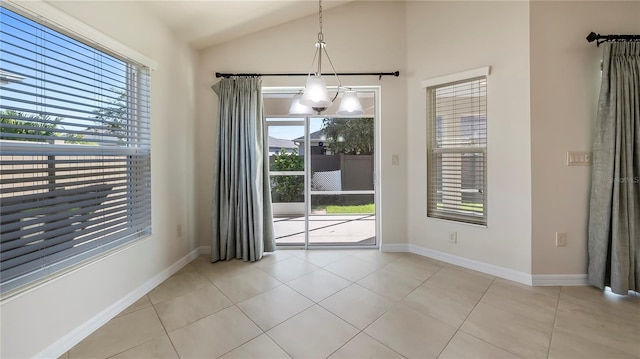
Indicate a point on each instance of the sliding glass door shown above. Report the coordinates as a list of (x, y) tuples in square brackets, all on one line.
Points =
[(323, 176), (288, 179), (342, 191)]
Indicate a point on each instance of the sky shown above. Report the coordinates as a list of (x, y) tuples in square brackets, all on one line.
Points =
[(68, 79), (292, 132), (62, 77)]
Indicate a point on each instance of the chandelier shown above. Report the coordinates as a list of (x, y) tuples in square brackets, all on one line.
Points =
[(315, 94)]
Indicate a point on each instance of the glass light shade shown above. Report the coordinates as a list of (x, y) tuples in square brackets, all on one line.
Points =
[(350, 104), (315, 93), (297, 108)]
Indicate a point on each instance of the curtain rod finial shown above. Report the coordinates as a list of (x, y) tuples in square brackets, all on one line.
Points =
[(592, 36)]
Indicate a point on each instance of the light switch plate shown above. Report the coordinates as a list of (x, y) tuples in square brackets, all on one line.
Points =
[(575, 158)]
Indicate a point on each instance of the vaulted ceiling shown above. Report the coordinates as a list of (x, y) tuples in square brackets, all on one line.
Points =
[(203, 23)]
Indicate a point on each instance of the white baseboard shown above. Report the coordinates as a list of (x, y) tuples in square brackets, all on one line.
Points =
[(394, 247), (559, 279), (506, 273), (74, 337), (494, 270)]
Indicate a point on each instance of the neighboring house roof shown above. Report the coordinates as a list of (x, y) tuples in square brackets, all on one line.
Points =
[(7, 77), (313, 136), (281, 143)]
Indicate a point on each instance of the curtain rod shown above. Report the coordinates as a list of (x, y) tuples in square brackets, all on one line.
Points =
[(604, 38), (379, 74)]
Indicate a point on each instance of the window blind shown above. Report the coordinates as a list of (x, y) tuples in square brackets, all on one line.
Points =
[(74, 151), (457, 143)]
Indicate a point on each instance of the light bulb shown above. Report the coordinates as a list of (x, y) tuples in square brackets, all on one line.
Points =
[(350, 104), (315, 93), (297, 108)]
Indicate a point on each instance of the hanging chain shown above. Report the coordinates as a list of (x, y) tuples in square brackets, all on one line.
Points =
[(320, 48), (320, 34)]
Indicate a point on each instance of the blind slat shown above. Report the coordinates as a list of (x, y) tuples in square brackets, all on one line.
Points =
[(52, 232), (457, 151), (75, 176), (10, 192)]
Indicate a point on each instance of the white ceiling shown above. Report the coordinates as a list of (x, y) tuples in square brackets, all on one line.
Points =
[(203, 23)]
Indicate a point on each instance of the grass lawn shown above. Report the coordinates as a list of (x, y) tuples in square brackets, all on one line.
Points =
[(474, 207), (335, 209)]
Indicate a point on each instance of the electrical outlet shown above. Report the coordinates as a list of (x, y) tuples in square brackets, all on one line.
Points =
[(561, 239), (179, 231), (453, 237), (395, 160)]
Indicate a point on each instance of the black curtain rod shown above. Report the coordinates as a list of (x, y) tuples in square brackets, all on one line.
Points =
[(379, 74), (604, 38)]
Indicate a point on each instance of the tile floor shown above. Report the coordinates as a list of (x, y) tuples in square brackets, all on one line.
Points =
[(363, 304)]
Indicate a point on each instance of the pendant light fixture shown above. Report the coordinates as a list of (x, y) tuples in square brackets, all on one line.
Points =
[(297, 108), (350, 104), (315, 93)]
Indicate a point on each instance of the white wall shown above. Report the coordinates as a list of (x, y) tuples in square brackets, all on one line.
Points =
[(360, 36), (565, 81), (448, 37), (35, 320), (536, 113)]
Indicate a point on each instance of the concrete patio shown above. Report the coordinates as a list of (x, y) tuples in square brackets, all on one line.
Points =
[(358, 229)]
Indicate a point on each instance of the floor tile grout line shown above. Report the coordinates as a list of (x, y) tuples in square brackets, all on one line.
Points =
[(306, 309), (263, 330), (248, 340), (459, 328), (165, 329), (555, 318), (201, 269), (214, 285), (313, 300), (137, 345), (346, 322), (233, 304), (477, 302), (420, 285), (468, 315), (444, 347), (386, 346), (394, 305), (153, 306), (200, 272), (146, 341), (278, 344), (345, 343), (283, 281), (121, 314), (367, 289), (232, 301)]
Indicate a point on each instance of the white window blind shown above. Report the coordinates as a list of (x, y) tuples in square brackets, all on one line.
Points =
[(74, 151), (457, 149)]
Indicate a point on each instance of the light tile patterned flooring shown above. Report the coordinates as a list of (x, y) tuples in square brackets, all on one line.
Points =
[(363, 304)]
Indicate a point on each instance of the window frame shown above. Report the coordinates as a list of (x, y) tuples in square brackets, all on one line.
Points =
[(137, 100), (430, 87)]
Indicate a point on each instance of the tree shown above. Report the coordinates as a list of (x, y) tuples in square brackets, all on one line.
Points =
[(351, 136), (288, 188), (41, 129), (114, 117), (41, 125)]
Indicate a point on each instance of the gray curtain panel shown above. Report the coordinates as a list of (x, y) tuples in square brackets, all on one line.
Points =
[(614, 213), (242, 220)]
